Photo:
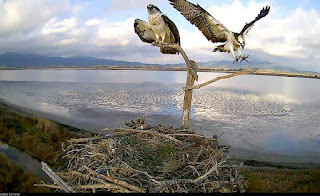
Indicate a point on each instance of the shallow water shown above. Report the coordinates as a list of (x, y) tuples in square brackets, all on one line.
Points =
[(265, 118), (26, 162)]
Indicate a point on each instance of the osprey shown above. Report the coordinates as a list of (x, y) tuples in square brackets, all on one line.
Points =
[(158, 30), (214, 31)]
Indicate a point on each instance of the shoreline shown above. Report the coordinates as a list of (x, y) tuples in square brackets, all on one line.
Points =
[(260, 176), (117, 68), (20, 128), (248, 163)]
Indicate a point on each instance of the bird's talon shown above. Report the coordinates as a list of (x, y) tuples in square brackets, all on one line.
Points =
[(236, 59), (244, 58), (165, 45)]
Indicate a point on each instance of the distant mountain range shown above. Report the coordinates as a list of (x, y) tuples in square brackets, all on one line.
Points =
[(17, 60), (11, 59)]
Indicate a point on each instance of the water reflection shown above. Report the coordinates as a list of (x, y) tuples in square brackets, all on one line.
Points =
[(93, 76), (50, 108), (3, 146), (275, 115), (26, 162)]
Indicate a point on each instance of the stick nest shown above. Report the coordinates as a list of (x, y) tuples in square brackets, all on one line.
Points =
[(143, 159)]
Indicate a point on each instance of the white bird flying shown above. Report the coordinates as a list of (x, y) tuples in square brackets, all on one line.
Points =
[(214, 31), (158, 30)]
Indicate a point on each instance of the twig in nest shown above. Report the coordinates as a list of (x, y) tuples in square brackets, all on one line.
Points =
[(158, 159), (186, 181), (86, 140), (208, 173), (108, 186), (51, 186), (118, 182), (125, 131)]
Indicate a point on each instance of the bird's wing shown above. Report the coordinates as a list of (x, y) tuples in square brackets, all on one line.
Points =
[(144, 31), (248, 26), (208, 25), (173, 28)]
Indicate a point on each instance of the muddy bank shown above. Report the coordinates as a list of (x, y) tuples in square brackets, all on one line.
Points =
[(34, 135), (262, 176), (102, 119)]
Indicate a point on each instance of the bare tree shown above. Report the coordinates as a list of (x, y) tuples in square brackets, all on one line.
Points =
[(191, 78)]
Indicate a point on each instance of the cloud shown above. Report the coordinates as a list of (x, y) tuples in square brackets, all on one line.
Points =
[(125, 5), (115, 33), (54, 26), (58, 30), (93, 22), (294, 40), (23, 16)]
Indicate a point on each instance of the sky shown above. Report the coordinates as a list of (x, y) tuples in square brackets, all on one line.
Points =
[(289, 35)]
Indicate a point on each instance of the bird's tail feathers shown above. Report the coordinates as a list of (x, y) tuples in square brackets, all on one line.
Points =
[(219, 49), (168, 51)]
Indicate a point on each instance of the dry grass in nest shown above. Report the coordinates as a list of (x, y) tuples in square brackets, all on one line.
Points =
[(155, 159)]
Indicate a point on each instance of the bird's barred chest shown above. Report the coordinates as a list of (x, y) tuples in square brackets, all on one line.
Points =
[(155, 20)]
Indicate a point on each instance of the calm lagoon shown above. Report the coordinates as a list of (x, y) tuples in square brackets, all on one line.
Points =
[(266, 118)]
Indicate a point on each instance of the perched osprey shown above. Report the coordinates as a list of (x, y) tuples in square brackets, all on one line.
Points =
[(159, 29), (214, 30)]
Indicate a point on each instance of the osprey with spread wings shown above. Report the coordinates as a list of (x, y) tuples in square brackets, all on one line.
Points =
[(214, 31)]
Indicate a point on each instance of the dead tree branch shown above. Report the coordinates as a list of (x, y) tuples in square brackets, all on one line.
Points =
[(217, 79), (186, 59)]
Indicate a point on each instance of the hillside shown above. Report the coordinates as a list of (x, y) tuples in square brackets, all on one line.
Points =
[(18, 60)]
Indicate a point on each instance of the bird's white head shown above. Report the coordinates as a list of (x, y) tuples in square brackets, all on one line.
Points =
[(241, 40), (152, 9)]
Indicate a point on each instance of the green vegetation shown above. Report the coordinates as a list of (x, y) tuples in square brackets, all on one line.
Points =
[(270, 165), (162, 153), (42, 139), (36, 136), (282, 180), (13, 179)]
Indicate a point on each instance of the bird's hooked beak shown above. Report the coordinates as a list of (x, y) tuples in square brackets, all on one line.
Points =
[(150, 6), (153, 9)]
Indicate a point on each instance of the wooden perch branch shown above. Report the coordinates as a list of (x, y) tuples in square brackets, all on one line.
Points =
[(186, 59), (217, 79), (188, 97), (64, 186), (192, 76)]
